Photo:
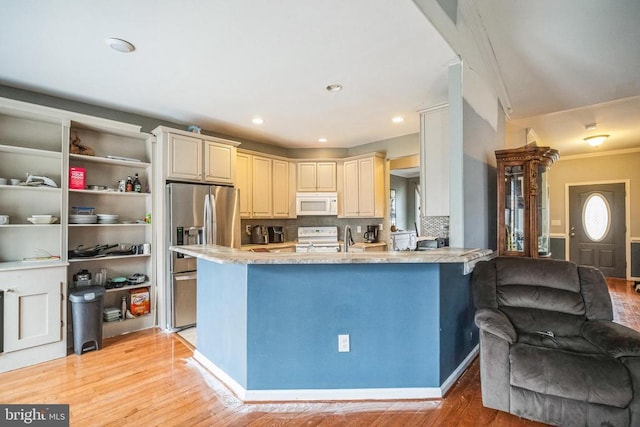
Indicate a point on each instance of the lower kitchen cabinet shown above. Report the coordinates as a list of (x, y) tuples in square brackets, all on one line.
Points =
[(34, 316)]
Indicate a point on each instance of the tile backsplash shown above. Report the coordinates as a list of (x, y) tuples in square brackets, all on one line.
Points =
[(290, 226)]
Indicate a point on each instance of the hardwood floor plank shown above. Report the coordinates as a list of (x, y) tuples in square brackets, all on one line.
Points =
[(149, 378)]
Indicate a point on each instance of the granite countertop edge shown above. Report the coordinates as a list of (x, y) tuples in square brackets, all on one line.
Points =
[(224, 255)]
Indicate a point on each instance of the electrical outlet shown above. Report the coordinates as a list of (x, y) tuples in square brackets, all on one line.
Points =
[(343, 343), (359, 229), (247, 230), (380, 227)]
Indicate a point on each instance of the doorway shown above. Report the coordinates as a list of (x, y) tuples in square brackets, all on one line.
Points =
[(597, 227)]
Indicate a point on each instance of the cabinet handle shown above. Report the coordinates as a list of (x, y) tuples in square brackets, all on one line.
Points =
[(187, 277)]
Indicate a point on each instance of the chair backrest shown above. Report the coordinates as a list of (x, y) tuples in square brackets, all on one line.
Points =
[(540, 295)]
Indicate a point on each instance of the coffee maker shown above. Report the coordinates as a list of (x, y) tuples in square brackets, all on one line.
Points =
[(371, 236)]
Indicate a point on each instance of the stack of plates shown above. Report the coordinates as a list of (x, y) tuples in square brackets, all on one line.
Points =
[(107, 219), (83, 219), (111, 314)]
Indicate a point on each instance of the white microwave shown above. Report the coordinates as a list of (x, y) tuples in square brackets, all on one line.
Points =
[(317, 203)]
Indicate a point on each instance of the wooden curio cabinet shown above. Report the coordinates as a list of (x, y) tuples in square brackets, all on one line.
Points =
[(523, 200)]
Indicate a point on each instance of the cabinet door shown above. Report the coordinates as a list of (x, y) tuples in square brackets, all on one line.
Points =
[(185, 158), (280, 188), (32, 308), (307, 176), (366, 187), (243, 183), (326, 176), (261, 197), (219, 162), (351, 183)]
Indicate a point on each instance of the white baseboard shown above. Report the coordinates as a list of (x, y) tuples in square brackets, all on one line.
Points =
[(335, 394)]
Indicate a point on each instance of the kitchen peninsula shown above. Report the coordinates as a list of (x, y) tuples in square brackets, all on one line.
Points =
[(269, 323)]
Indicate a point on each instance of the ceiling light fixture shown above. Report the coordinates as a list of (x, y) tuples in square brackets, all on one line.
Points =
[(120, 45), (257, 120), (323, 139), (595, 140), (397, 119), (334, 88)]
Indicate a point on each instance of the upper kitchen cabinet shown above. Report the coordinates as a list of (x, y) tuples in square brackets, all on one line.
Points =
[(523, 200), (316, 176), (264, 183), (197, 158), (434, 139), (32, 141), (362, 187)]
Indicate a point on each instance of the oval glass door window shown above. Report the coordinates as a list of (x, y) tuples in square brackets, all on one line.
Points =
[(596, 217)]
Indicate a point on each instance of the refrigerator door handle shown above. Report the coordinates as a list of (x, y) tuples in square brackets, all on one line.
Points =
[(205, 221), (214, 221)]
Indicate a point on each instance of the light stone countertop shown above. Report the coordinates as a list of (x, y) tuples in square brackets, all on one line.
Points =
[(224, 255)]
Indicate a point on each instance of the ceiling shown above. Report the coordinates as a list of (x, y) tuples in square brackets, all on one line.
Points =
[(218, 64), (566, 64)]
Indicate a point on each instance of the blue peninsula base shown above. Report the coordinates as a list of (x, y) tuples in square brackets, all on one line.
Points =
[(270, 331)]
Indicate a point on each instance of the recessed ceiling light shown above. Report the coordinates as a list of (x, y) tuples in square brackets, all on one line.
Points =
[(397, 119), (120, 45), (334, 88), (323, 139), (595, 140), (257, 120)]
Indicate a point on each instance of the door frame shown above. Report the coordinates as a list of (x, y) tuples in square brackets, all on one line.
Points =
[(627, 218)]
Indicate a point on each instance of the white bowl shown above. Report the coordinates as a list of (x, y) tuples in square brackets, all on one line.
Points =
[(48, 220)]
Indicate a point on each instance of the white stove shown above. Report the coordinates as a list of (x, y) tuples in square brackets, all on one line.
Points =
[(317, 239)]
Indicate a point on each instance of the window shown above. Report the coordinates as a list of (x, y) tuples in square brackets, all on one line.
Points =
[(596, 217)]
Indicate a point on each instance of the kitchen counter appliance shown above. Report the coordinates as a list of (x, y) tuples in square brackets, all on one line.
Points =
[(276, 234), (196, 214), (317, 239), (259, 235), (402, 241)]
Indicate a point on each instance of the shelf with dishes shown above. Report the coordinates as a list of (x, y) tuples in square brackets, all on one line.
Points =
[(107, 257)]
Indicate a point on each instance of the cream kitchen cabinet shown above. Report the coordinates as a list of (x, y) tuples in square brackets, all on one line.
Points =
[(34, 316), (362, 192), (316, 176), (280, 188), (244, 183), (197, 158), (264, 184)]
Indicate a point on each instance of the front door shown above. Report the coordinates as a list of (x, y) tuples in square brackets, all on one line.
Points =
[(597, 227)]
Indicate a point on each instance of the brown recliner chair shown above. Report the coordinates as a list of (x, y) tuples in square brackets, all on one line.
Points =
[(549, 350)]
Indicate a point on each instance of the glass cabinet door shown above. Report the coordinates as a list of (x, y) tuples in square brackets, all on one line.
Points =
[(514, 219), (543, 212)]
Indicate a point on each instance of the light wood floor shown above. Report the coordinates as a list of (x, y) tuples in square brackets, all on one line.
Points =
[(149, 379)]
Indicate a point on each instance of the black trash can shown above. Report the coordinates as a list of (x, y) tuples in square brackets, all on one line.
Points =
[(86, 310)]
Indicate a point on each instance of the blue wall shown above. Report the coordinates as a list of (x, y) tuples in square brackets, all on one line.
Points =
[(410, 325), (299, 310), (222, 308)]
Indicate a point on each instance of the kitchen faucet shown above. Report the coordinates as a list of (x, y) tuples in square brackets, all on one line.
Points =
[(348, 238)]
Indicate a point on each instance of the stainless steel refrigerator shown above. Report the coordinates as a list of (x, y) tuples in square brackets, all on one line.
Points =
[(196, 214)]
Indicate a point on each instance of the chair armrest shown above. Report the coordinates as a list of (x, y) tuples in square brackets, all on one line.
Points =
[(495, 322), (612, 338)]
